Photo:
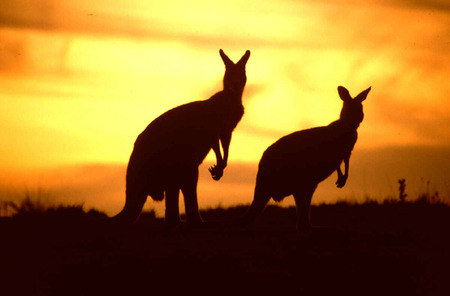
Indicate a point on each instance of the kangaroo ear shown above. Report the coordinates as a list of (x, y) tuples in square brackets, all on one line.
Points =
[(226, 60), (244, 58), (363, 95), (344, 94)]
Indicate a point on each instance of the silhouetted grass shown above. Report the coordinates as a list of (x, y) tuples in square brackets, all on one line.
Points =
[(35, 209), (370, 248)]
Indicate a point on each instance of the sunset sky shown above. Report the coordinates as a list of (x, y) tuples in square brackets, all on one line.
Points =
[(79, 80)]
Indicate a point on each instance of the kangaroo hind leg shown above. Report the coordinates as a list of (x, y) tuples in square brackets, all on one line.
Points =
[(172, 217), (303, 198), (189, 189)]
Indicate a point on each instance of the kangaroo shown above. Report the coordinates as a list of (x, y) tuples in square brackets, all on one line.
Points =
[(167, 154), (297, 163)]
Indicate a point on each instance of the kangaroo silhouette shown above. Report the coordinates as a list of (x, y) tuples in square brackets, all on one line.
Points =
[(297, 163), (167, 153)]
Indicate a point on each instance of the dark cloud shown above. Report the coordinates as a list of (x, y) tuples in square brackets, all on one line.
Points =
[(428, 123), (28, 14), (66, 16), (79, 18), (13, 54), (440, 5), (83, 18)]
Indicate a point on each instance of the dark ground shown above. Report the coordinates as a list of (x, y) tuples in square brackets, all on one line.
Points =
[(369, 249)]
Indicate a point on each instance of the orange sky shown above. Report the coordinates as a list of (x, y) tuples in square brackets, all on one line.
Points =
[(79, 80)]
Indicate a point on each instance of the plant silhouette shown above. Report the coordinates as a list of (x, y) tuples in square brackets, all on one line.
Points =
[(297, 163), (167, 153)]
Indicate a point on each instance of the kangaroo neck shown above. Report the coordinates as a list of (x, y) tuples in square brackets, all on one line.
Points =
[(345, 125), (232, 96), (233, 92)]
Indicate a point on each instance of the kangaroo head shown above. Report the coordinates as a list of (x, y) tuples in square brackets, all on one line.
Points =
[(234, 79), (352, 110)]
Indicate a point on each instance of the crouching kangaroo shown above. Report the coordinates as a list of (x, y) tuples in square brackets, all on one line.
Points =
[(297, 163), (167, 153)]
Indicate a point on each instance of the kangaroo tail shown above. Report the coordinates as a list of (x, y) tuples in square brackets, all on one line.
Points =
[(132, 209), (260, 200)]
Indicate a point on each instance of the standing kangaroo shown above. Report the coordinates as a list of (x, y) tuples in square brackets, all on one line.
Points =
[(167, 153), (297, 163)]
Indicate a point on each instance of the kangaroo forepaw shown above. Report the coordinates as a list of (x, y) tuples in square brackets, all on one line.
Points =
[(341, 182), (216, 172)]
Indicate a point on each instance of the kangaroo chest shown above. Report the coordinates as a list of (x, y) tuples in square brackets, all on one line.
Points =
[(228, 118)]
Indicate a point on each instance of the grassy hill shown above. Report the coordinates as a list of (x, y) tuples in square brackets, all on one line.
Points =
[(394, 248)]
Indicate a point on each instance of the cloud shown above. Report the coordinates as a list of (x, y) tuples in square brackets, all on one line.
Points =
[(13, 54), (285, 25), (70, 16), (132, 19), (439, 5), (33, 14), (429, 125)]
